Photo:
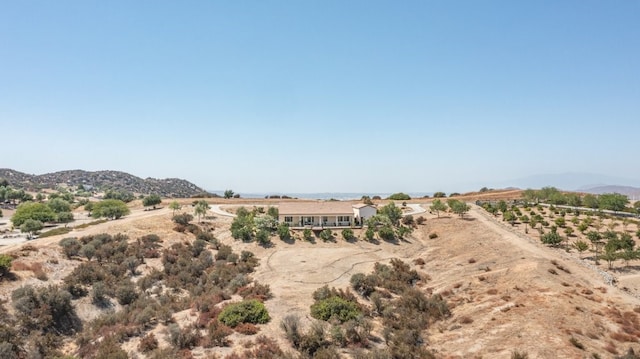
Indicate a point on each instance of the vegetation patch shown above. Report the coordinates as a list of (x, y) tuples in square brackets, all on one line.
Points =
[(247, 311)]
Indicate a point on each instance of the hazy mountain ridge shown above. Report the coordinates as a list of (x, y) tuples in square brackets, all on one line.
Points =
[(168, 187), (626, 190)]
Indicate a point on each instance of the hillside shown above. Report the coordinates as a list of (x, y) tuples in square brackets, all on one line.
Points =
[(101, 180), (504, 291)]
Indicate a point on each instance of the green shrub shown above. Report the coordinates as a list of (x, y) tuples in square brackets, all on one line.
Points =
[(283, 232), (369, 234), (348, 235), (326, 235), (307, 234), (335, 308), (247, 311), (5, 263)]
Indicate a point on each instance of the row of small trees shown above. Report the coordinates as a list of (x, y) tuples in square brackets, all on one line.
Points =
[(607, 201)]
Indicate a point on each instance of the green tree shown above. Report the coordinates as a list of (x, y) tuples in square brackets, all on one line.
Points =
[(590, 201), (151, 200), (123, 196), (613, 201), (175, 206), (369, 234), (31, 226), (40, 197), (510, 217), (438, 206), (32, 210), (636, 206), (596, 240), (439, 195), (64, 217), (59, 205), (88, 207), (201, 209), (110, 208), (366, 200), (273, 212), (228, 194), (581, 246), (458, 207), (392, 212), (399, 197)]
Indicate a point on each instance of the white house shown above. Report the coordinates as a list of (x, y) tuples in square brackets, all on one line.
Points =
[(324, 214), (362, 211)]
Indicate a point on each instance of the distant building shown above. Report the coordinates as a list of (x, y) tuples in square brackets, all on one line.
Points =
[(324, 214)]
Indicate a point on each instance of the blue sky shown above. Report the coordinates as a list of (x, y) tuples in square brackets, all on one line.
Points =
[(315, 96)]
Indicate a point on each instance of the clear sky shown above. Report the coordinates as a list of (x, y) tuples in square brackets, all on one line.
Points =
[(322, 96)]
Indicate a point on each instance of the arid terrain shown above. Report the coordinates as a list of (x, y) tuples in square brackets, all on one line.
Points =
[(507, 292)]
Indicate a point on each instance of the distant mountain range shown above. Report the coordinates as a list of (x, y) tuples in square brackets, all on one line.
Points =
[(580, 182), (632, 192), (102, 180)]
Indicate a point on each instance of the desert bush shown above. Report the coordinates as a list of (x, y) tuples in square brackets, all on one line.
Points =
[(99, 294), (433, 235), (46, 308), (516, 354), (246, 329), (290, 324), (126, 294), (257, 291), (110, 349), (182, 219), (363, 284), (148, 343), (183, 338), (217, 335), (223, 252), (408, 220), (70, 247), (420, 220), (247, 311)]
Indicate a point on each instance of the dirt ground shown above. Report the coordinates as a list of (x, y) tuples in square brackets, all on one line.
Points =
[(506, 292)]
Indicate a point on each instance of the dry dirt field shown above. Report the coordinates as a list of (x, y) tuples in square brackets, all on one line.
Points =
[(506, 292)]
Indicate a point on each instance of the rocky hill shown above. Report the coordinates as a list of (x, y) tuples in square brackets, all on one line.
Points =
[(102, 180)]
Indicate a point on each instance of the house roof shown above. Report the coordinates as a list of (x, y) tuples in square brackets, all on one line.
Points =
[(315, 208), (362, 205)]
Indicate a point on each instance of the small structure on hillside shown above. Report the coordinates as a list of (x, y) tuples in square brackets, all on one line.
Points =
[(319, 215)]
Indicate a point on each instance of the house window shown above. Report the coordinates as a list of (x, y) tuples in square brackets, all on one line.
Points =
[(288, 219), (307, 220), (325, 219), (343, 219)]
